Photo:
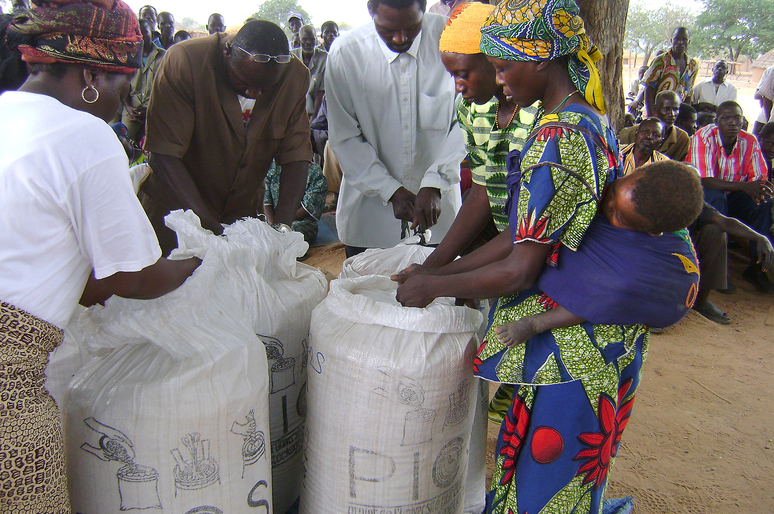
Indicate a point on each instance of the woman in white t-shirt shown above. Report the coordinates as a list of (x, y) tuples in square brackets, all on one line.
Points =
[(71, 227)]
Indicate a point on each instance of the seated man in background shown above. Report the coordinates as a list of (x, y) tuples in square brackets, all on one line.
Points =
[(703, 119), (647, 137), (306, 217), (708, 234), (181, 35), (734, 173), (766, 140), (686, 119), (675, 142)]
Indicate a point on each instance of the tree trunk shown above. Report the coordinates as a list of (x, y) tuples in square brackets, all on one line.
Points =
[(605, 24)]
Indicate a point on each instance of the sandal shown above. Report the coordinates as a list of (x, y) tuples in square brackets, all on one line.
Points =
[(710, 311)]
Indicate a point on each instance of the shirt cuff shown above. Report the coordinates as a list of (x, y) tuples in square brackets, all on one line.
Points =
[(389, 190), (434, 179)]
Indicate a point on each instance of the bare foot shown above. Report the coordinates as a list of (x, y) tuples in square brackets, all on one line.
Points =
[(515, 332)]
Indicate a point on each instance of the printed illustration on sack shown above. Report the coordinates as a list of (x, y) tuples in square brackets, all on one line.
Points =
[(138, 485)]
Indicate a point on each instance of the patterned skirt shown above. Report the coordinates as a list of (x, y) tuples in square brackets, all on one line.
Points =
[(558, 441), (32, 462)]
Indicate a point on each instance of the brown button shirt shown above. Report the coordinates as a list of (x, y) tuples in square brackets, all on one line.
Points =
[(194, 114)]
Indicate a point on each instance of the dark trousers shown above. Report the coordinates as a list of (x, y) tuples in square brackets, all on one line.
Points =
[(741, 206), (710, 244), (351, 251)]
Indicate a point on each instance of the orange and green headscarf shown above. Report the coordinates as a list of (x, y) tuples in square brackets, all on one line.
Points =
[(542, 30)]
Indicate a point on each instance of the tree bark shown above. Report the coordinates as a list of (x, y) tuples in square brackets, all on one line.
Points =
[(605, 24)]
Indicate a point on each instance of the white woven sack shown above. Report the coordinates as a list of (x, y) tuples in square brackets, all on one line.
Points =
[(386, 261), (389, 261), (65, 361), (174, 417), (391, 402), (281, 310)]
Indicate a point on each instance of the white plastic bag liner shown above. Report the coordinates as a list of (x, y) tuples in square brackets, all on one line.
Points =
[(65, 361), (174, 418), (391, 402), (281, 309), (386, 261)]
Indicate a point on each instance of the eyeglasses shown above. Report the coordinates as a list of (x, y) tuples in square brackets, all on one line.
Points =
[(264, 58)]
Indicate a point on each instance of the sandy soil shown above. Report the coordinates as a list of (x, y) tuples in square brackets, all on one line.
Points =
[(700, 437)]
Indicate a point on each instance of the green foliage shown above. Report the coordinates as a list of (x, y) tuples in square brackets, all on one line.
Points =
[(734, 28), (277, 11), (192, 25), (648, 29)]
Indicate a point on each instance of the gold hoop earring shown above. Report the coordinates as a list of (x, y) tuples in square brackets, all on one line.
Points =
[(83, 94)]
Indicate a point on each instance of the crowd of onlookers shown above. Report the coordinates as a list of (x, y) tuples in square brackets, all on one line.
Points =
[(702, 124)]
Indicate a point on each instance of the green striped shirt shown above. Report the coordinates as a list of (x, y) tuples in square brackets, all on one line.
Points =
[(488, 149)]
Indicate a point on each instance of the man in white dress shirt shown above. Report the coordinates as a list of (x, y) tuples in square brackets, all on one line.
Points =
[(715, 90), (764, 93), (393, 127)]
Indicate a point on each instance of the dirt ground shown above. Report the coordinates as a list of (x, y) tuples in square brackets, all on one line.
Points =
[(700, 437)]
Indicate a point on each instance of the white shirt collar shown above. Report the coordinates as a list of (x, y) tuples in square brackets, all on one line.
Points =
[(413, 51)]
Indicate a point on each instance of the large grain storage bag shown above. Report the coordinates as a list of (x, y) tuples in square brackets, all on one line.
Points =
[(389, 261), (172, 414), (386, 261), (281, 308), (391, 402)]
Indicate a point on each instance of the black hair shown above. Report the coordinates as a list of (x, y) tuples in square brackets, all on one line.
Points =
[(668, 195), (396, 4), (678, 29), (55, 69), (666, 93), (149, 7), (329, 24), (704, 118), (262, 37), (13, 71), (728, 104), (652, 119), (767, 130), (685, 111), (705, 106)]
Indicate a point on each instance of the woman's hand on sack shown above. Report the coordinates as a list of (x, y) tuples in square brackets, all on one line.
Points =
[(415, 291), (414, 269)]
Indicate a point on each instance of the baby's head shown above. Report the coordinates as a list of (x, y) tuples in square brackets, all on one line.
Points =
[(663, 196)]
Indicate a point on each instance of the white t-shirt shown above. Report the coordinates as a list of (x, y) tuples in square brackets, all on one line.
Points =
[(66, 206)]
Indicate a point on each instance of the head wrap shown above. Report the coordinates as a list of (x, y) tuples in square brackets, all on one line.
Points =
[(462, 34), (101, 33), (542, 30)]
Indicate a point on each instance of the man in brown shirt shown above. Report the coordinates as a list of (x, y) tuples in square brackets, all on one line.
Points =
[(676, 140), (222, 109)]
